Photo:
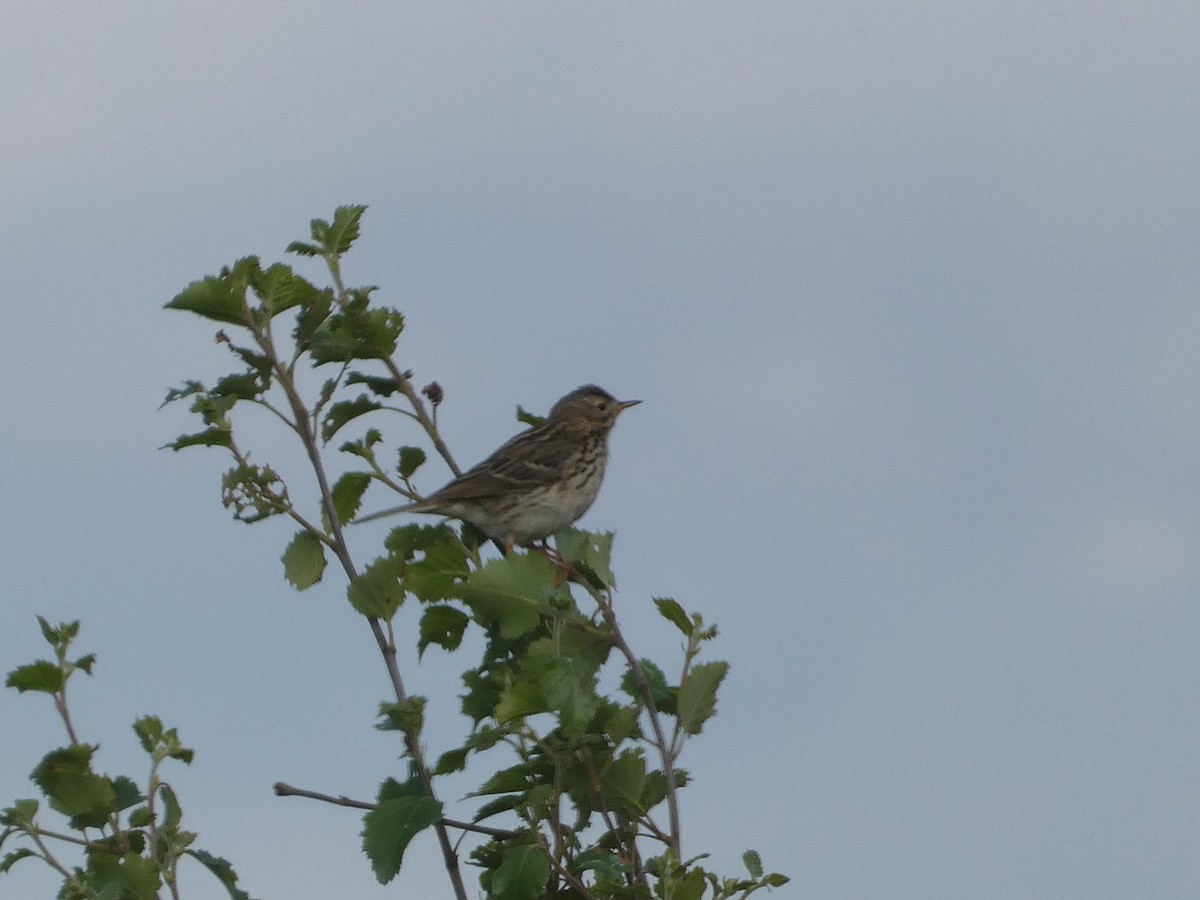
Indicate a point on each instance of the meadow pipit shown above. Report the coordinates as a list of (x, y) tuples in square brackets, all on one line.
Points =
[(541, 481)]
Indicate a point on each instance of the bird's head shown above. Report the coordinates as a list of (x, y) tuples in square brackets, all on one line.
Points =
[(591, 405)]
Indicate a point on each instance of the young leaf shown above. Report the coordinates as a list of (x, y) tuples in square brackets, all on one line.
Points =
[(222, 869), (753, 863), (520, 699), (522, 874), (528, 418), (623, 781), (343, 411), (149, 731), (452, 761), (442, 625), (659, 689), (304, 560), (570, 690), (189, 388), (213, 298), (312, 316), (698, 695), (510, 592), (66, 778), (411, 459), (347, 494), (377, 591), (435, 577), (39, 676), (126, 792), (391, 825), (11, 859), (378, 385), (362, 447), (210, 437), (673, 613), (354, 332), (344, 231), (589, 553), (408, 717)]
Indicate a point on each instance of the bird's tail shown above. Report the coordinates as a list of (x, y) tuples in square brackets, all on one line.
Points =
[(384, 513)]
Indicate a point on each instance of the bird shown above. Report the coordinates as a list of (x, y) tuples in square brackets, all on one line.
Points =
[(540, 481)]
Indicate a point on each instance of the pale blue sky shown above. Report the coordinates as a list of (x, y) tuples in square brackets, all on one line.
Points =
[(909, 292)]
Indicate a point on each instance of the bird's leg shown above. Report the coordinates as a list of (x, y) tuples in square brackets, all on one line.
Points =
[(565, 569)]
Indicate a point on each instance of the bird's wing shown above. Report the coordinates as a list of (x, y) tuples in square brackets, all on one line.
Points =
[(530, 459)]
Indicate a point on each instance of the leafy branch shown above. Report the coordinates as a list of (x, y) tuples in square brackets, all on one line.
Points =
[(580, 775), (131, 837)]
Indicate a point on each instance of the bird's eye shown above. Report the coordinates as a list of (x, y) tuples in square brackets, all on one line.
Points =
[(602, 406)]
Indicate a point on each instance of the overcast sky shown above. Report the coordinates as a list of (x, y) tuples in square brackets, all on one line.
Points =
[(910, 294)]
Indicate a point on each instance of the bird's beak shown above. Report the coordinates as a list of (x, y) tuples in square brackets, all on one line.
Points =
[(625, 404)]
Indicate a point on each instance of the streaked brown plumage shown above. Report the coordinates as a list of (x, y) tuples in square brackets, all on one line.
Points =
[(542, 480)]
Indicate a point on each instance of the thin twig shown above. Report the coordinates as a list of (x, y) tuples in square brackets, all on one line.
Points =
[(666, 752), (287, 790)]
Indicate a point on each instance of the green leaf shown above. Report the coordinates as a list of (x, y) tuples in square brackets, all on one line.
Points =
[(604, 863), (86, 663), (481, 697), (222, 870), (259, 364), (522, 874), (304, 560), (528, 418), (753, 863), (281, 289), (520, 699), (338, 237), (391, 825), (570, 690), (126, 793), (379, 385), (313, 314), (673, 613), (362, 447), (20, 814), (345, 410), (172, 812), (213, 298), (659, 689), (254, 493), (691, 887), (511, 592), (497, 806), (514, 778), (377, 591), (698, 695), (11, 859), (621, 723), (407, 717), (210, 437), (301, 248), (436, 575), (189, 388), (623, 781), (66, 778), (38, 676), (411, 459), (452, 761), (347, 494), (442, 625), (242, 385), (588, 553), (149, 731), (354, 332)]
